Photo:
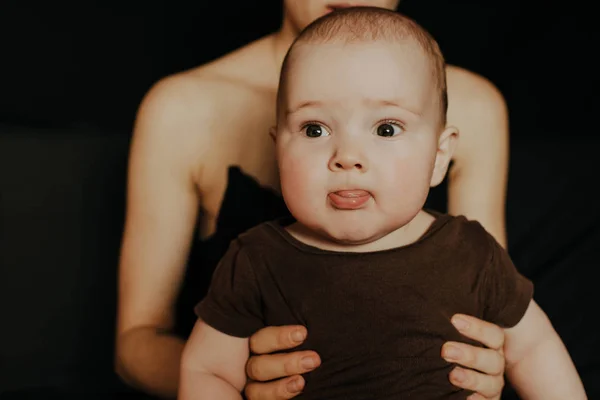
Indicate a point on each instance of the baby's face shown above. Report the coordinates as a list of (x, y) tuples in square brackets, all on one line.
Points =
[(357, 138)]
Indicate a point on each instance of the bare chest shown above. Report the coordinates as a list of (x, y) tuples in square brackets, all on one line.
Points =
[(243, 142)]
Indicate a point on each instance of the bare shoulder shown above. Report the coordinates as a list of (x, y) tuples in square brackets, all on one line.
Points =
[(185, 110), (253, 64), (469, 92), (208, 92), (477, 108), (188, 98), (168, 120)]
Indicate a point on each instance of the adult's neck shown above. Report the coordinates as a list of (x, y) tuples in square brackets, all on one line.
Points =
[(283, 39)]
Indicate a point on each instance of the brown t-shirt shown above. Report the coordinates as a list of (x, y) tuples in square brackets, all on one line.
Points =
[(379, 319)]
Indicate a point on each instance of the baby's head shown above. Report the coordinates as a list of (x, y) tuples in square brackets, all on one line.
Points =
[(361, 117)]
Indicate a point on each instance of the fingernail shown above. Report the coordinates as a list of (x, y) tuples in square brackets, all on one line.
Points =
[(298, 336), (452, 353), (460, 324), (308, 363), (294, 386), (458, 375)]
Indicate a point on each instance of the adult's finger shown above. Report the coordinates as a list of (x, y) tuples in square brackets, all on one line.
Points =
[(272, 366), (484, 332), (488, 361), (488, 386), (282, 389), (276, 338)]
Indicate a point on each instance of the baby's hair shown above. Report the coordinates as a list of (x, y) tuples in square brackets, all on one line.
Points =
[(370, 24)]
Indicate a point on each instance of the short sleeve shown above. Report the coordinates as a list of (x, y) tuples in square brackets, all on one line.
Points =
[(233, 303), (505, 292)]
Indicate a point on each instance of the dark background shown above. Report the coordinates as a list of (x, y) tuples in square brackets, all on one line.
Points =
[(73, 73)]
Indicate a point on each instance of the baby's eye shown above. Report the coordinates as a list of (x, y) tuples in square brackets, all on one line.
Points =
[(315, 130), (389, 129)]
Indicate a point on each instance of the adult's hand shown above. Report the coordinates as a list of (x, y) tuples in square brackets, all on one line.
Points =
[(484, 367), (278, 376)]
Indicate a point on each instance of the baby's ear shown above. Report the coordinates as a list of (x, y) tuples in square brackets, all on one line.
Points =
[(273, 133), (446, 145)]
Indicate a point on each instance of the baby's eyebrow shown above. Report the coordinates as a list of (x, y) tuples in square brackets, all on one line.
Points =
[(397, 103), (369, 102), (304, 104)]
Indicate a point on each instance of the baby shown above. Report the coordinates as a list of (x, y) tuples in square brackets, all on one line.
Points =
[(361, 136)]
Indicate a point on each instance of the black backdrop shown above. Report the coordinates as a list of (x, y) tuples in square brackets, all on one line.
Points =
[(82, 68), (90, 62)]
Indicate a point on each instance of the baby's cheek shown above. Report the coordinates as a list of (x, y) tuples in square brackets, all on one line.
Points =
[(291, 176), (292, 185), (409, 181), (300, 186), (301, 168)]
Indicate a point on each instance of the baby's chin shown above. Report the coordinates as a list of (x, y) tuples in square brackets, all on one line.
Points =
[(350, 237)]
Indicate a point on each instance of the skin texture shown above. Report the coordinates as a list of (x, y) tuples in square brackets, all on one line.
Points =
[(190, 128), (359, 144)]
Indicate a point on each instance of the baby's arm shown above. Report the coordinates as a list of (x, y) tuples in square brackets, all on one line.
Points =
[(537, 362), (213, 365)]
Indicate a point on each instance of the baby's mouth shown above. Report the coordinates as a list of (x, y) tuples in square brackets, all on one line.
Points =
[(349, 199)]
